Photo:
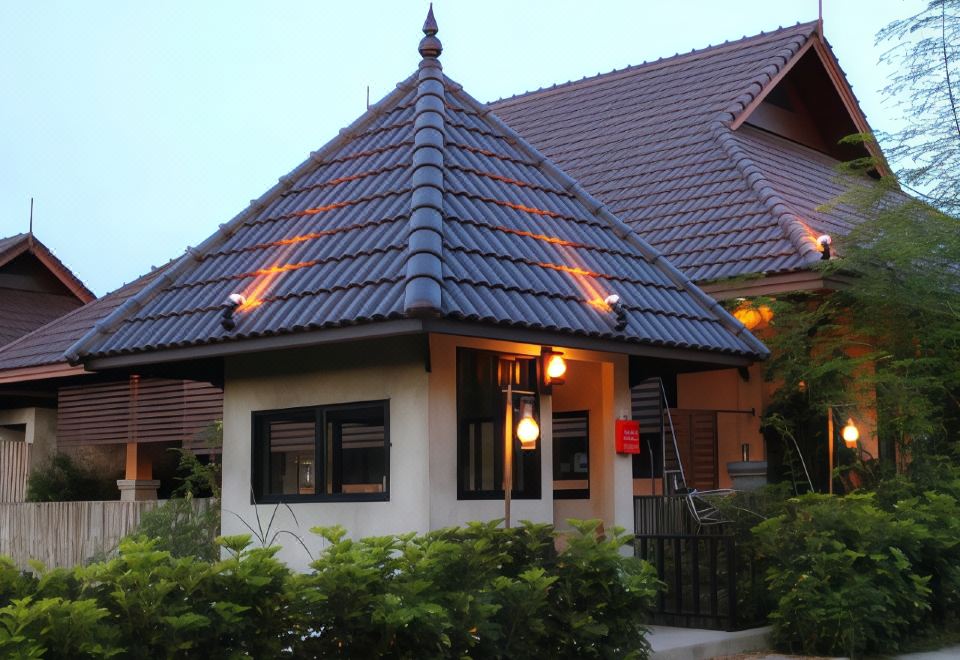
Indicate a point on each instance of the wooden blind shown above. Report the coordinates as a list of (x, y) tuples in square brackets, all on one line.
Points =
[(144, 410)]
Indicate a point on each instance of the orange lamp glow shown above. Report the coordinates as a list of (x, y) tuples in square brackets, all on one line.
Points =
[(753, 316), (528, 431), (850, 433), (556, 366)]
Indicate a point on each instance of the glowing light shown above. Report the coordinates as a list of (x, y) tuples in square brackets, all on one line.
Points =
[(556, 366), (850, 433), (527, 430), (540, 237), (753, 317)]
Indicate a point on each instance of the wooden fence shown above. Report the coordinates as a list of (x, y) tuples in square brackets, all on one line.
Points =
[(14, 466), (63, 534)]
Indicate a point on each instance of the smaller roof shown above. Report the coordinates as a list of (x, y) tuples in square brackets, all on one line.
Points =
[(46, 345), (427, 207), (13, 246)]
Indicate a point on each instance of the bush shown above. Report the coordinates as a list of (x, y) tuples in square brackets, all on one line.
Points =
[(478, 591), (62, 480), (842, 576)]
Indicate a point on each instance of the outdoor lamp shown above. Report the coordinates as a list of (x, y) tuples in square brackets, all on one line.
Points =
[(554, 368), (527, 430), (233, 302), (850, 433), (824, 242), (619, 309)]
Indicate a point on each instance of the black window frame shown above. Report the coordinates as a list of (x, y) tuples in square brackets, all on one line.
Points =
[(572, 493), (534, 490), (260, 453)]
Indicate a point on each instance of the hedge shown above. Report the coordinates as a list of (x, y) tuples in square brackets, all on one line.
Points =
[(476, 591)]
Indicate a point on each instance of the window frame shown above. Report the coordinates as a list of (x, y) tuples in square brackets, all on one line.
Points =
[(535, 491), (573, 493), (260, 452)]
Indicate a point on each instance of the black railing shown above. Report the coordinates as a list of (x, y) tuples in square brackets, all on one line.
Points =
[(700, 574)]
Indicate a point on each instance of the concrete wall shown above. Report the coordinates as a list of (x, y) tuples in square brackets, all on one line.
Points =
[(423, 436), (386, 369), (39, 431)]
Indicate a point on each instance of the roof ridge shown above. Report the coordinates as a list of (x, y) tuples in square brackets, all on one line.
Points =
[(621, 229), (28, 242), (650, 65), (791, 225), (314, 160), (422, 295)]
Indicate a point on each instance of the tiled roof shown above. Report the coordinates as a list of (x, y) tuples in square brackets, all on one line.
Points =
[(13, 246), (47, 344), (428, 205), (653, 142)]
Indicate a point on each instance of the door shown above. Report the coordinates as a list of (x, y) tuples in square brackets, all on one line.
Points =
[(696, 432)]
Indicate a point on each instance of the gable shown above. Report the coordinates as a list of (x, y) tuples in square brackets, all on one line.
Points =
[(804, 104)]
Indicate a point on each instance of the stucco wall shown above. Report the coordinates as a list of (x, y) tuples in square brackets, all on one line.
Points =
[(385, 369), (40, 431)]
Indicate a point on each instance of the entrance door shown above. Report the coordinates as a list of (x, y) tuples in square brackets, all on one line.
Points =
[(696, 432)]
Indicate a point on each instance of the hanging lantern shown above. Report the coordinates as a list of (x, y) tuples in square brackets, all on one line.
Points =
[(753, 316), (850, 434), (528, 431)]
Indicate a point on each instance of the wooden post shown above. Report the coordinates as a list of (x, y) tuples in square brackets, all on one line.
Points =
[(508, 448), (830, 447)]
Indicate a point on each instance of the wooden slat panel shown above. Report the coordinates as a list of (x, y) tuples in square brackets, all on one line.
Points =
[(14, 468), (165, 411)]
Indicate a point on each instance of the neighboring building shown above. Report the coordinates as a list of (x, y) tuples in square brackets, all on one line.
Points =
[(119, 423), (403, 291), (35, 287), (722, 159)]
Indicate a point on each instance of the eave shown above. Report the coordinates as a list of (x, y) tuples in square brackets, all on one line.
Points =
[(773, 285), (413, 326), (41, 372)]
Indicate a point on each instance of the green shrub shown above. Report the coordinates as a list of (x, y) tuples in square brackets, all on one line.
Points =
[(841, 575), (62, 480), (478, 591)]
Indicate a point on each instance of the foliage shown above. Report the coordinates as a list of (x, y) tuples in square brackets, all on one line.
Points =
[(841, 575), (62, 480), (179, 525), (924, 54), (478, 591)]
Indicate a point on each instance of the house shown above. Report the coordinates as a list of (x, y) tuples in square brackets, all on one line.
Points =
[(721, 159), (424, 310), (118, 424), (35, 288)]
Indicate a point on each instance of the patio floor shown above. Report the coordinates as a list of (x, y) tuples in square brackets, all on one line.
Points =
[(670, 643)]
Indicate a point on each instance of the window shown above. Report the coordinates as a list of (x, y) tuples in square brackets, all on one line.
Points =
[(482, 379), (571, 455), (322, 453)]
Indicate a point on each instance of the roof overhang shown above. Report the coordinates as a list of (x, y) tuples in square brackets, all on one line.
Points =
[(411, 327), (41, 372), (773, 284)]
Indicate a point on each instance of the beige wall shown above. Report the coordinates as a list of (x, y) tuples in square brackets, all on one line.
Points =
[(423, 435), (40, 431), (385, 369), (726, 390)]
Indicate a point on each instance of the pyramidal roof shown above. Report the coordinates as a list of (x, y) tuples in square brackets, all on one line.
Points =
[(659, 144), (427, 207)]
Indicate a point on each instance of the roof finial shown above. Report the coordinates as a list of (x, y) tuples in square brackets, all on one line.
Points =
[(430, 46)]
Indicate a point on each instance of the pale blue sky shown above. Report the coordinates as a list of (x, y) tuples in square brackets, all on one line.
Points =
[(141, 126)]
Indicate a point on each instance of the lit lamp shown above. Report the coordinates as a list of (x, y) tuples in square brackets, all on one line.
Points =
[(554, 368), (850, 434), (527, 430)]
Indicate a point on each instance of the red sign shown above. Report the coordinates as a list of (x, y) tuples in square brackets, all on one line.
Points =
[(628, 436)]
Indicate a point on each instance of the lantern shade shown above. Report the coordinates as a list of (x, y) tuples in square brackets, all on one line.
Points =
[(528, 431), (850, 433), (556, 366)]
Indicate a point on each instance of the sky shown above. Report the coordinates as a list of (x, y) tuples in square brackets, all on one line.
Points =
[(139, 127)]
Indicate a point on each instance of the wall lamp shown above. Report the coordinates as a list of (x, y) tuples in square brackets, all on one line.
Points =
[(553, 367), (233, 302), (850, 434)]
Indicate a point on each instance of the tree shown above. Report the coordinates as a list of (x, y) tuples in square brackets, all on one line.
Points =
[(925, 55)]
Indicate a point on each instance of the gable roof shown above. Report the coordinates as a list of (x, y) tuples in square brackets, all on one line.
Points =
[(428, 206), (25, 309), (13, 246), (656, 143), (45, 346)]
